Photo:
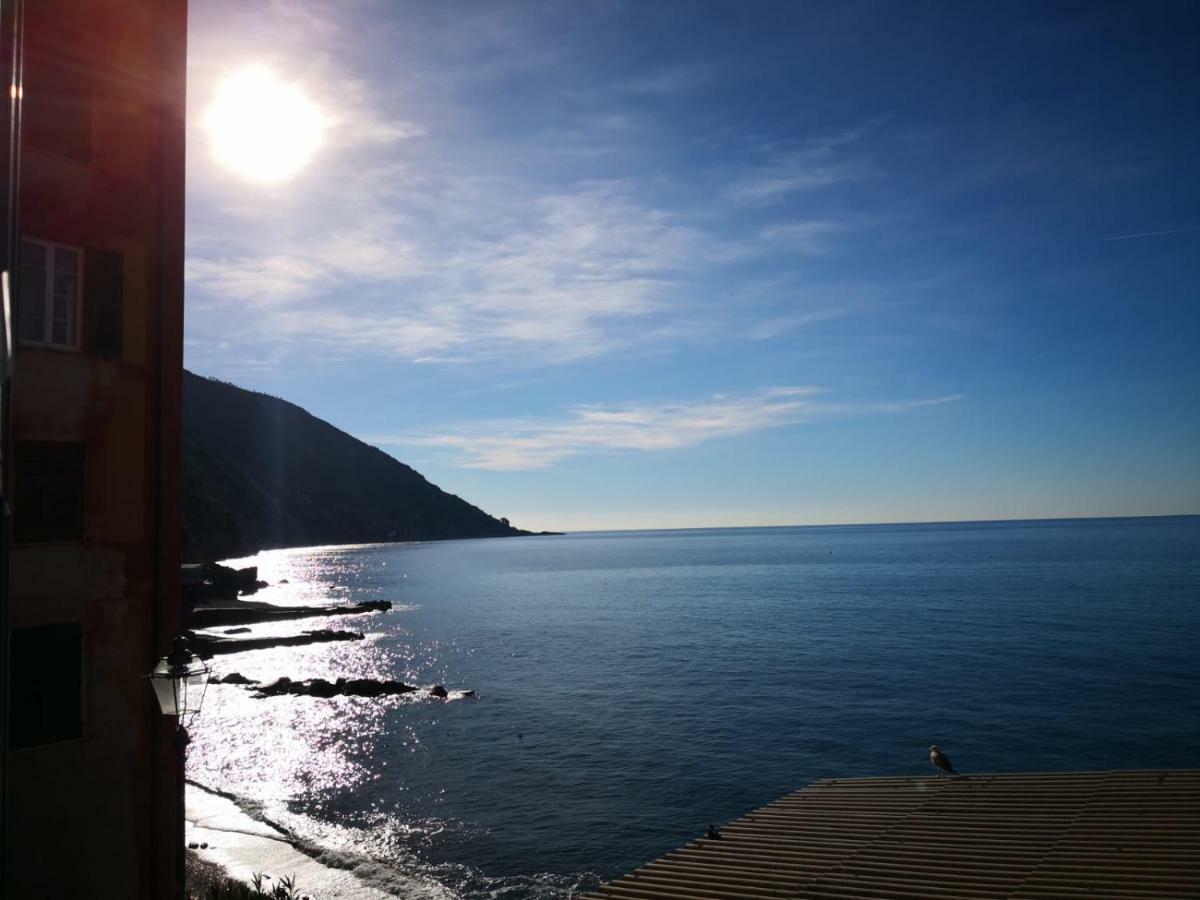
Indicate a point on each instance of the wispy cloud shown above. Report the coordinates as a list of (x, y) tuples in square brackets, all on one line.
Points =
[(558, 273), (512, 444), (404, 244), (671, 81), (808, 238), (1146, 234), (778, 326), (787, 168)]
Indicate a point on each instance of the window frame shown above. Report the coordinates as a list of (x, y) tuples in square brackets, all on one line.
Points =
[(47, 341), (22, 450)]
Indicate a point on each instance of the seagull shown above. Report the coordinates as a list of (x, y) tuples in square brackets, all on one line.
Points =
[(940, 761)]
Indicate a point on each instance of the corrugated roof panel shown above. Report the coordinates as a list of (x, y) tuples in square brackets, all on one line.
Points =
[(1093, 834)]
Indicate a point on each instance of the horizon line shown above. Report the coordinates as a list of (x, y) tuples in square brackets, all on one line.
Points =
[(552, 533)]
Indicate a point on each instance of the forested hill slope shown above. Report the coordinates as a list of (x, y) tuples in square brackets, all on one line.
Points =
[(259, 472)]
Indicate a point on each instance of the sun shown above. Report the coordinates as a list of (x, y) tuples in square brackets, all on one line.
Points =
[(261, 127)]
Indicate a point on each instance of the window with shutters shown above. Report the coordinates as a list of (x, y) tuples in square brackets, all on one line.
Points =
[(48, 491), (104, 302), (48, 304), (46, 685)]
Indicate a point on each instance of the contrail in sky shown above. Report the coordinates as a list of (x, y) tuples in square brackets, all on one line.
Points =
[(1130, 237)]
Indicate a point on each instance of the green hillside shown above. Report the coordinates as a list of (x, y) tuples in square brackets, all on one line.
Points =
[(259, 472)]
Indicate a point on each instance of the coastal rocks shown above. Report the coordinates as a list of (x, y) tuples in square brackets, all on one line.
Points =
[(320, 687), (209, 581), (343, 687), (231, 678), (236, 631), (207, 646), (237, 613)]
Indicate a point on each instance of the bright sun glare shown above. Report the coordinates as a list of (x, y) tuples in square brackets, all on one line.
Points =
[(261, 127)]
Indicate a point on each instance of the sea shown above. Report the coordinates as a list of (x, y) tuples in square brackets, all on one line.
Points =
[(633, 687)]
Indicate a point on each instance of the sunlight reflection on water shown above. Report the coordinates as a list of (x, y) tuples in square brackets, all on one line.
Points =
[(288, 757), (633, 688)]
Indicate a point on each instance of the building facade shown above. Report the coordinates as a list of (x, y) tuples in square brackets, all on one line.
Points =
[(93, 790)]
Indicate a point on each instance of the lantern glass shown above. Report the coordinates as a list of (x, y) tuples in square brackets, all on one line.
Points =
[(180, 687)]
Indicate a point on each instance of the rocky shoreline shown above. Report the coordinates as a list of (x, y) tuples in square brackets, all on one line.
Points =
[(207, 646), (342, 687), (212, 596), (244, 613)]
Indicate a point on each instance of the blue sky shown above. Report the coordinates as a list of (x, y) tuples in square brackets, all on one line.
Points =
[(604, 264)]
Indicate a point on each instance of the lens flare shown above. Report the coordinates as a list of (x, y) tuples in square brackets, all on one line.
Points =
[(263, 128)]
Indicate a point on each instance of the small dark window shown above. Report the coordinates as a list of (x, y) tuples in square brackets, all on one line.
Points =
[(48, 494), (104, 302), (45, 685)]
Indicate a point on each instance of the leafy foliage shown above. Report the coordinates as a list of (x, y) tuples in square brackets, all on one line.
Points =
[(262, 887)]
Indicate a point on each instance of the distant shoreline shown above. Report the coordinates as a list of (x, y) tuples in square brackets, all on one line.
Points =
[(711, 528)]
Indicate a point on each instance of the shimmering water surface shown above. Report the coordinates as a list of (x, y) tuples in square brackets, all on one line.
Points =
[(635, 686)]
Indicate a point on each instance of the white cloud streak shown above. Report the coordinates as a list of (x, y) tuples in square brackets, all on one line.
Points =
[(386, 246), (1146, 234), (516, 444), (802, 166), (562, 272), (671, 81)]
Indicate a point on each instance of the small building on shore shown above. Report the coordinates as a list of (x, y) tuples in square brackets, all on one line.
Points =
[(92, 788)]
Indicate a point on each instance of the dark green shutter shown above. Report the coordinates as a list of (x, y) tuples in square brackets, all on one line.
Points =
[(104, 302)]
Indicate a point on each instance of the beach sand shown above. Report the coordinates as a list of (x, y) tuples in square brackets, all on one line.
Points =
[(243, 845)]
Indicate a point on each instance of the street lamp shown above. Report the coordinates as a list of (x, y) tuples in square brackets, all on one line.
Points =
[(179, 680)]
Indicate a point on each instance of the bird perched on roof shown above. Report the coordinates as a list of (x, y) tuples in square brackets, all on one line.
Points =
[(940, 761)]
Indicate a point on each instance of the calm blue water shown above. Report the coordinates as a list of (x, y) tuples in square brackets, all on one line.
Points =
[(634, 687)]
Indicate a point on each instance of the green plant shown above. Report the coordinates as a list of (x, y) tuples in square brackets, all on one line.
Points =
[(260, 888), (283, 889)]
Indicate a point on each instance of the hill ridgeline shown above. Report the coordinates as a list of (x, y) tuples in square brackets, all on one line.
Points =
[(259, 473)]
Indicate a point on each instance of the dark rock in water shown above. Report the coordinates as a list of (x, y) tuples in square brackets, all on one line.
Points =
[(284, 581), (193, 846), (236, 613), (275, 688), (236, 631), (320, 687), (217, 582), (232, 678), (439, 691), (363, 687), (207, 646), (367, 687)]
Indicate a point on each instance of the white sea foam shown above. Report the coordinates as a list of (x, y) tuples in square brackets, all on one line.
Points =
[(244, 841), (244, 844)]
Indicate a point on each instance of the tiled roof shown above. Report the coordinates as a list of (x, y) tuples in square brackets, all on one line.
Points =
[(1084, 834)]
